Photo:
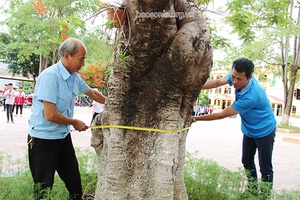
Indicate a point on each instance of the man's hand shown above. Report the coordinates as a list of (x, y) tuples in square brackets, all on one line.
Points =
[(192, 120), (79, 125)]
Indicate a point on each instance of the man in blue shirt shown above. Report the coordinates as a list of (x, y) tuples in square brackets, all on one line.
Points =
[(258, 120), (50, 146)]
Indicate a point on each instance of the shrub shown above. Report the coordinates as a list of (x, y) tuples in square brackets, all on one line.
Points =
[(204, 179)]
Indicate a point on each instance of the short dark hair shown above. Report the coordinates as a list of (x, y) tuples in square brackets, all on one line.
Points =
[(243, 65), (10, 84)]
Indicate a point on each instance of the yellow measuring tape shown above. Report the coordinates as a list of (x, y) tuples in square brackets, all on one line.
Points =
[(141, 128)]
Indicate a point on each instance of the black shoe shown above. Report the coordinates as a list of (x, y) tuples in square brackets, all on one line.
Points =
[(88, 197)]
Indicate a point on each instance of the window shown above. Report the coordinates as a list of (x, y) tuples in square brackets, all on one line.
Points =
[(227, 90)]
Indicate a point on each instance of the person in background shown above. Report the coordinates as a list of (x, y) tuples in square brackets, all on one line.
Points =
[(97, 108), (50, 145), (19, 101), (10, 95), (258, 122), (4, 97)]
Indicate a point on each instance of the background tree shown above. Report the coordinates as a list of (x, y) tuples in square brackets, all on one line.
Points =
[(270, 31), (94, 75), (16, 65), (203, 98), (98, 50), (39, 27), (26, 67), (169, 59), (4, 41)]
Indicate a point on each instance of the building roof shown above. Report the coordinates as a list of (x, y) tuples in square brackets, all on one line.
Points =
[(274, 99), (5, 74), (223, 96)]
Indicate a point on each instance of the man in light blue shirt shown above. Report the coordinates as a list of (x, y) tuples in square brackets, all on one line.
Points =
[(50, 146), (258, 121)]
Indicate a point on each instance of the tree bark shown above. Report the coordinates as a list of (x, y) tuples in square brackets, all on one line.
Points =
[(43, 63), (169, 60), (289, 83), (288, 103)]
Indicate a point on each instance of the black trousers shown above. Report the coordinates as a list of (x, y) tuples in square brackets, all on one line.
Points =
[(94, 115), (4, 107), (48, 156), (21, 109), (9, 112)]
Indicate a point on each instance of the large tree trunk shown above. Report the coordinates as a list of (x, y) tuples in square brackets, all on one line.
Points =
[(169, 60)]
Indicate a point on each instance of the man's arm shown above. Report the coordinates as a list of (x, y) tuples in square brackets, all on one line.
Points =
[(215, 83), (227, 112), (95, 95), (52, 115)]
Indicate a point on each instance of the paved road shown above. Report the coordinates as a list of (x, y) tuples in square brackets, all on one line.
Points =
[(221, 141), (217, 140)]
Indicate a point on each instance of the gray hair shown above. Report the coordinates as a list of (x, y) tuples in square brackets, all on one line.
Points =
[(70, 45)]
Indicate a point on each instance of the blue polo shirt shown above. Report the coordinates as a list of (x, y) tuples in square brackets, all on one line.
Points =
[(254, 107), (56, 85)]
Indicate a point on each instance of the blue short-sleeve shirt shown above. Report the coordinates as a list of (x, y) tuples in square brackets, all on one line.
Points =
[(56, 85), (254, 107)]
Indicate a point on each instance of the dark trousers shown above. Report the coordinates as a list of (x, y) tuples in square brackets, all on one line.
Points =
[(4, 107), (94, 115), (21, 109), (48, 156), (9, 112), (264, 146)]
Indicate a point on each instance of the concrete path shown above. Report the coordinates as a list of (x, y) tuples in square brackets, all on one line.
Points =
[(217, 140)]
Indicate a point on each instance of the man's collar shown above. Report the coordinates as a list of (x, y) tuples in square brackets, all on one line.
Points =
[(246, 88), (64, 72)]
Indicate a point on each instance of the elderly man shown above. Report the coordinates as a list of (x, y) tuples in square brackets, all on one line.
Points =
[(50, 146)]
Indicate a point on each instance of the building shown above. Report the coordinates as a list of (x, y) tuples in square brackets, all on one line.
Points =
[(7, 77), (224, 96)]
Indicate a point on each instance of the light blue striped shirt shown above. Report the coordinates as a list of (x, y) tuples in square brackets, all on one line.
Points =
[(56, 85)]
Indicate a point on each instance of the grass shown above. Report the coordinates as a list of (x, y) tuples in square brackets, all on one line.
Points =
[(287, 125), (16, 180), (204, 179)]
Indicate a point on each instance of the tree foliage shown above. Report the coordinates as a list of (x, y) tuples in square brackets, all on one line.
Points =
[(94, 75), (4, 40), (39, 27), (24, 67), (98, 50), (15, 65), (270, 33), (203, 98)]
